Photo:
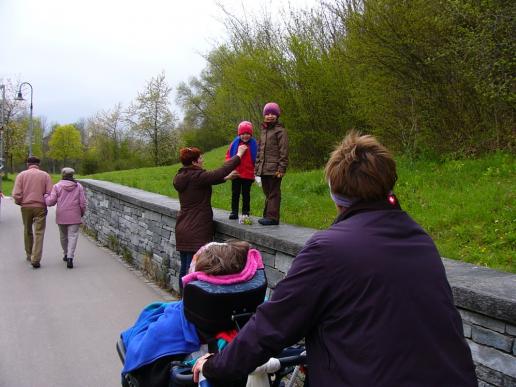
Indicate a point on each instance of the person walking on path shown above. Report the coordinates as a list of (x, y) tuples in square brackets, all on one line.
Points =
[(272, 162), (71, 206), (369, 294), (29, 189), (194, 224), (242, 184)]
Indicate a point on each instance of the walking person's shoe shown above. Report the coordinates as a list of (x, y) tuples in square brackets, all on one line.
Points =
[(268, 222), (233, 216), (36, 265), (69, 263), (65, 258)]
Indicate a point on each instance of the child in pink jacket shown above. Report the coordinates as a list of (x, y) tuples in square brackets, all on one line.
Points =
[(71, 206)]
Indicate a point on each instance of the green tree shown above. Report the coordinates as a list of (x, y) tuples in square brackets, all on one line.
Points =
[(432, 78), (65, 144)]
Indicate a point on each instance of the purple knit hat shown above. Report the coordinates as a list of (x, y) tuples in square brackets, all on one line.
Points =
[(271, 108)]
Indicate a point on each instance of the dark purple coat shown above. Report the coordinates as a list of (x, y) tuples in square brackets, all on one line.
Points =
[(371, 297)]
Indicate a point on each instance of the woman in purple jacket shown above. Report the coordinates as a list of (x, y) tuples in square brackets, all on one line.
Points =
[(71, 206), (369, 294)]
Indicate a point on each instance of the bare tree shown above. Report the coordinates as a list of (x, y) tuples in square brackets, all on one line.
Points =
[(109, 125), (151, 118)]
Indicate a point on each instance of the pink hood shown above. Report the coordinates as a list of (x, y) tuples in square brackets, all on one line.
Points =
[(253, 263), (70, 200)]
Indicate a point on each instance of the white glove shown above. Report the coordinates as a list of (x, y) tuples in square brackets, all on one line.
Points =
[(258, 180)]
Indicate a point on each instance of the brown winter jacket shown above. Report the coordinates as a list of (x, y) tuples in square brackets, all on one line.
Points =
[(194, 225), (273, 150)]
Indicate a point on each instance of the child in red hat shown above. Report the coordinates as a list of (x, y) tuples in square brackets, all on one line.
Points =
[(242, 184)]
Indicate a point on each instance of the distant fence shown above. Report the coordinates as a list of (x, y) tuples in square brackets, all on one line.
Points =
[(139, 226)]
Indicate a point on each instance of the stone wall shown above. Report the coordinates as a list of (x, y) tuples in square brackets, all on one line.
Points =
[(140, 226)]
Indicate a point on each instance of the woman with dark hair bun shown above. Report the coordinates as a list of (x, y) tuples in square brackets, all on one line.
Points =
[(194, 224)]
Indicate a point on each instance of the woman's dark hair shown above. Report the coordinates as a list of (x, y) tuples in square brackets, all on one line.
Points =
[(360, 167), (188, 155)]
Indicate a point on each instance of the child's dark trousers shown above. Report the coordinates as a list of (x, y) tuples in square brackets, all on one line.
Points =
[(241, 186), (272, 189)]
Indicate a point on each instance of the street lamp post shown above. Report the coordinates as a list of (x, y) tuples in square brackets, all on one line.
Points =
[(19, 97), (2, 115)]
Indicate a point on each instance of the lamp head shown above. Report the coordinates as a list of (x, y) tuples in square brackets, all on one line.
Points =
[(19, 97)]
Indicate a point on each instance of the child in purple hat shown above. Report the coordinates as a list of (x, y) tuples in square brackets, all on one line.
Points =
[(272, 162)]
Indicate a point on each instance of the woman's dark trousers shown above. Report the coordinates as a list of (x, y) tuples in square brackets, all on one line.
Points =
[(244, 186)]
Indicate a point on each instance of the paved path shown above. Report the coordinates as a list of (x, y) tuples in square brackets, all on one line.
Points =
[(58, 327)]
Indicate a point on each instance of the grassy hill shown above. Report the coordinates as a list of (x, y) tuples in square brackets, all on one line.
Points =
[(467, 206)]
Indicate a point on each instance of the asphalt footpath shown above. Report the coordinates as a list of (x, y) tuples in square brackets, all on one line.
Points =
[(59, 326)]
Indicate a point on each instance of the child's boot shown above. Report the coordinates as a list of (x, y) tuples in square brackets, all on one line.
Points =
[(69, 263)]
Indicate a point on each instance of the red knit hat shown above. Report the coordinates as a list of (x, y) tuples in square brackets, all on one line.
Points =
[(271, 108), (245, 127)]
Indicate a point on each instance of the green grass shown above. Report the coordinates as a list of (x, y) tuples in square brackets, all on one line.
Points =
[(467, 206)]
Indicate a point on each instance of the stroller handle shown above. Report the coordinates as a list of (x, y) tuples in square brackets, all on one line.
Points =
[(294, 360), (182, 375)]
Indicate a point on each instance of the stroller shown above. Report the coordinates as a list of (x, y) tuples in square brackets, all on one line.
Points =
[(219, 308)]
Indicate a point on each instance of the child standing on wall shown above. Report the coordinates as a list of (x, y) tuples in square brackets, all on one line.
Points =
[(272, 162), (242, 184)]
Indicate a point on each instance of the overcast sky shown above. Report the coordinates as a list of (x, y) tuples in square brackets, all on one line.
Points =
[(83, 56)]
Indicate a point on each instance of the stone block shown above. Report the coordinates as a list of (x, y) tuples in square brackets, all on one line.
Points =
[(283, 262), (168, 221), (155, 228), (151, 215), (484, 321), (488, 375), (135, 240), (508, 381), (165, 234), (467, 330), (493, 339), (273, 276), (493, 358), (510, 329), (268, 259)]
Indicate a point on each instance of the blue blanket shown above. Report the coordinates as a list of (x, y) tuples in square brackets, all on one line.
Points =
[(160, 330)]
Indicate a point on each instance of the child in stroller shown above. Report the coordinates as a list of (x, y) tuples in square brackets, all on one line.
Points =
[(226, 284)]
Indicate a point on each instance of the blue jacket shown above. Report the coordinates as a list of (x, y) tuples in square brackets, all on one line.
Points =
[(370, 296), (160, 330)]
